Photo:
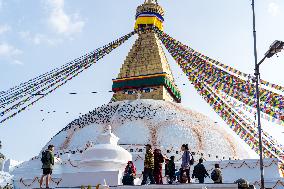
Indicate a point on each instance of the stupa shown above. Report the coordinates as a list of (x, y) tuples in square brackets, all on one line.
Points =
[(145, 109)]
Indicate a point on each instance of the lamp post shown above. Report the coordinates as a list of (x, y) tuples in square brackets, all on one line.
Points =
[(276, 47)]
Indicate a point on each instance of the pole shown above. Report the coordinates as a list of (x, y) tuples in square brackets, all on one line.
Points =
[(257, 101)]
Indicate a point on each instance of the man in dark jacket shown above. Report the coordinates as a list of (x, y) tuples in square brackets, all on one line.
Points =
[(148, 165), (199, 171), (47, 160), (170, 169)]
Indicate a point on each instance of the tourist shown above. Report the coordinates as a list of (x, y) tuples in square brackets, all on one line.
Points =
[(167, 167), (216, 174), (170, 169), (47, 160), (129, 174), (148, 166), (177, 175), (199, 171), (158, 166), (185, 165)]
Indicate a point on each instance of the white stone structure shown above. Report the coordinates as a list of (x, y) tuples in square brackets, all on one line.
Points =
[(84, 153), (99, 164), (2, 160), (5, 178), (9, 165), (163, 124)]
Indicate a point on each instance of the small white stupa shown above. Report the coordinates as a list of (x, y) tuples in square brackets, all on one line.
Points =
[(102, 163), (106, 152)]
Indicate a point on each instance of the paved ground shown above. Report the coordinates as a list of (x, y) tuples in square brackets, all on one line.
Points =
[(178, 186)]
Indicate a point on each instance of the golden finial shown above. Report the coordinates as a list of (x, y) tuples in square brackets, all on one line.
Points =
[(151, 1)]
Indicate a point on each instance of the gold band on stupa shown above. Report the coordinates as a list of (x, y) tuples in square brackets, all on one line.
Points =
[(141, 82)]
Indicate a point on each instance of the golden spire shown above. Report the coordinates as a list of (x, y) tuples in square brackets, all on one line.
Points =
[(151, 1), (145, 73)]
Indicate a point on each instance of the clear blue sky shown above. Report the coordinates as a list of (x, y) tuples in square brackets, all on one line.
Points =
[(38, 35)]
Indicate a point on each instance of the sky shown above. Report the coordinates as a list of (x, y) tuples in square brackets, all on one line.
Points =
[(39, 35)]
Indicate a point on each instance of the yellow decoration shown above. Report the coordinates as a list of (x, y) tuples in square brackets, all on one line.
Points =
[(149, 20)]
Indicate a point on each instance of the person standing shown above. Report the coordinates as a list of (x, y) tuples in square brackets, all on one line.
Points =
[(129, 174), (185, 165), (170, 169), (216, 175), (47, 160), (167, 167), (158, 166), (199, 171), (148, 165)]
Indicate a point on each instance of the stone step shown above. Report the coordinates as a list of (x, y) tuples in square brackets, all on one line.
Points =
[(165, 186)]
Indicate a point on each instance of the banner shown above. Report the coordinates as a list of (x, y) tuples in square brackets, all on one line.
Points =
[(209, 81), (242, 90), (41, 91)]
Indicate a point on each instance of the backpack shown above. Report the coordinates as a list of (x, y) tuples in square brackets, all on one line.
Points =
[(44, 157), (214, 175)]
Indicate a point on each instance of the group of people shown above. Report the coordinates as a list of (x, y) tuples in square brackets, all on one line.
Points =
[(153, 164)]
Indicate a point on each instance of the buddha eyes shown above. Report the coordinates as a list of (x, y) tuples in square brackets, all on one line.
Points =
[(129, 91), (147, 90), (135, 91)]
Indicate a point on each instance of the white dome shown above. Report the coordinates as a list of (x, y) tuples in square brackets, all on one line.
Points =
[(163, 124)]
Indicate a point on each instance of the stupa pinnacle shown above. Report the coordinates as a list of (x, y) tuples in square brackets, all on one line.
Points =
[(146, 73)]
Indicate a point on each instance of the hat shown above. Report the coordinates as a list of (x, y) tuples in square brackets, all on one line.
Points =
[(149, 145)]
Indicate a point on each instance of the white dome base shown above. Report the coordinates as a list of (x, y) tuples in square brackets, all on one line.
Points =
[(165, 125)]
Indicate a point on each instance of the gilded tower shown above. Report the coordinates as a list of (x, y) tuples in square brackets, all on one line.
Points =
[(145, 72)]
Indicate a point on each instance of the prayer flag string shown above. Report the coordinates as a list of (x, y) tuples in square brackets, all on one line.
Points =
[(82, 65)]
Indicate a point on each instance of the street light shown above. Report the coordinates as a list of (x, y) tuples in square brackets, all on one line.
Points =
[(274, 48)]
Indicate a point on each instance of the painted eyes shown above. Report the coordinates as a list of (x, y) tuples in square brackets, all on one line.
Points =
[(129, 91), (147, 90), (142, 90)]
